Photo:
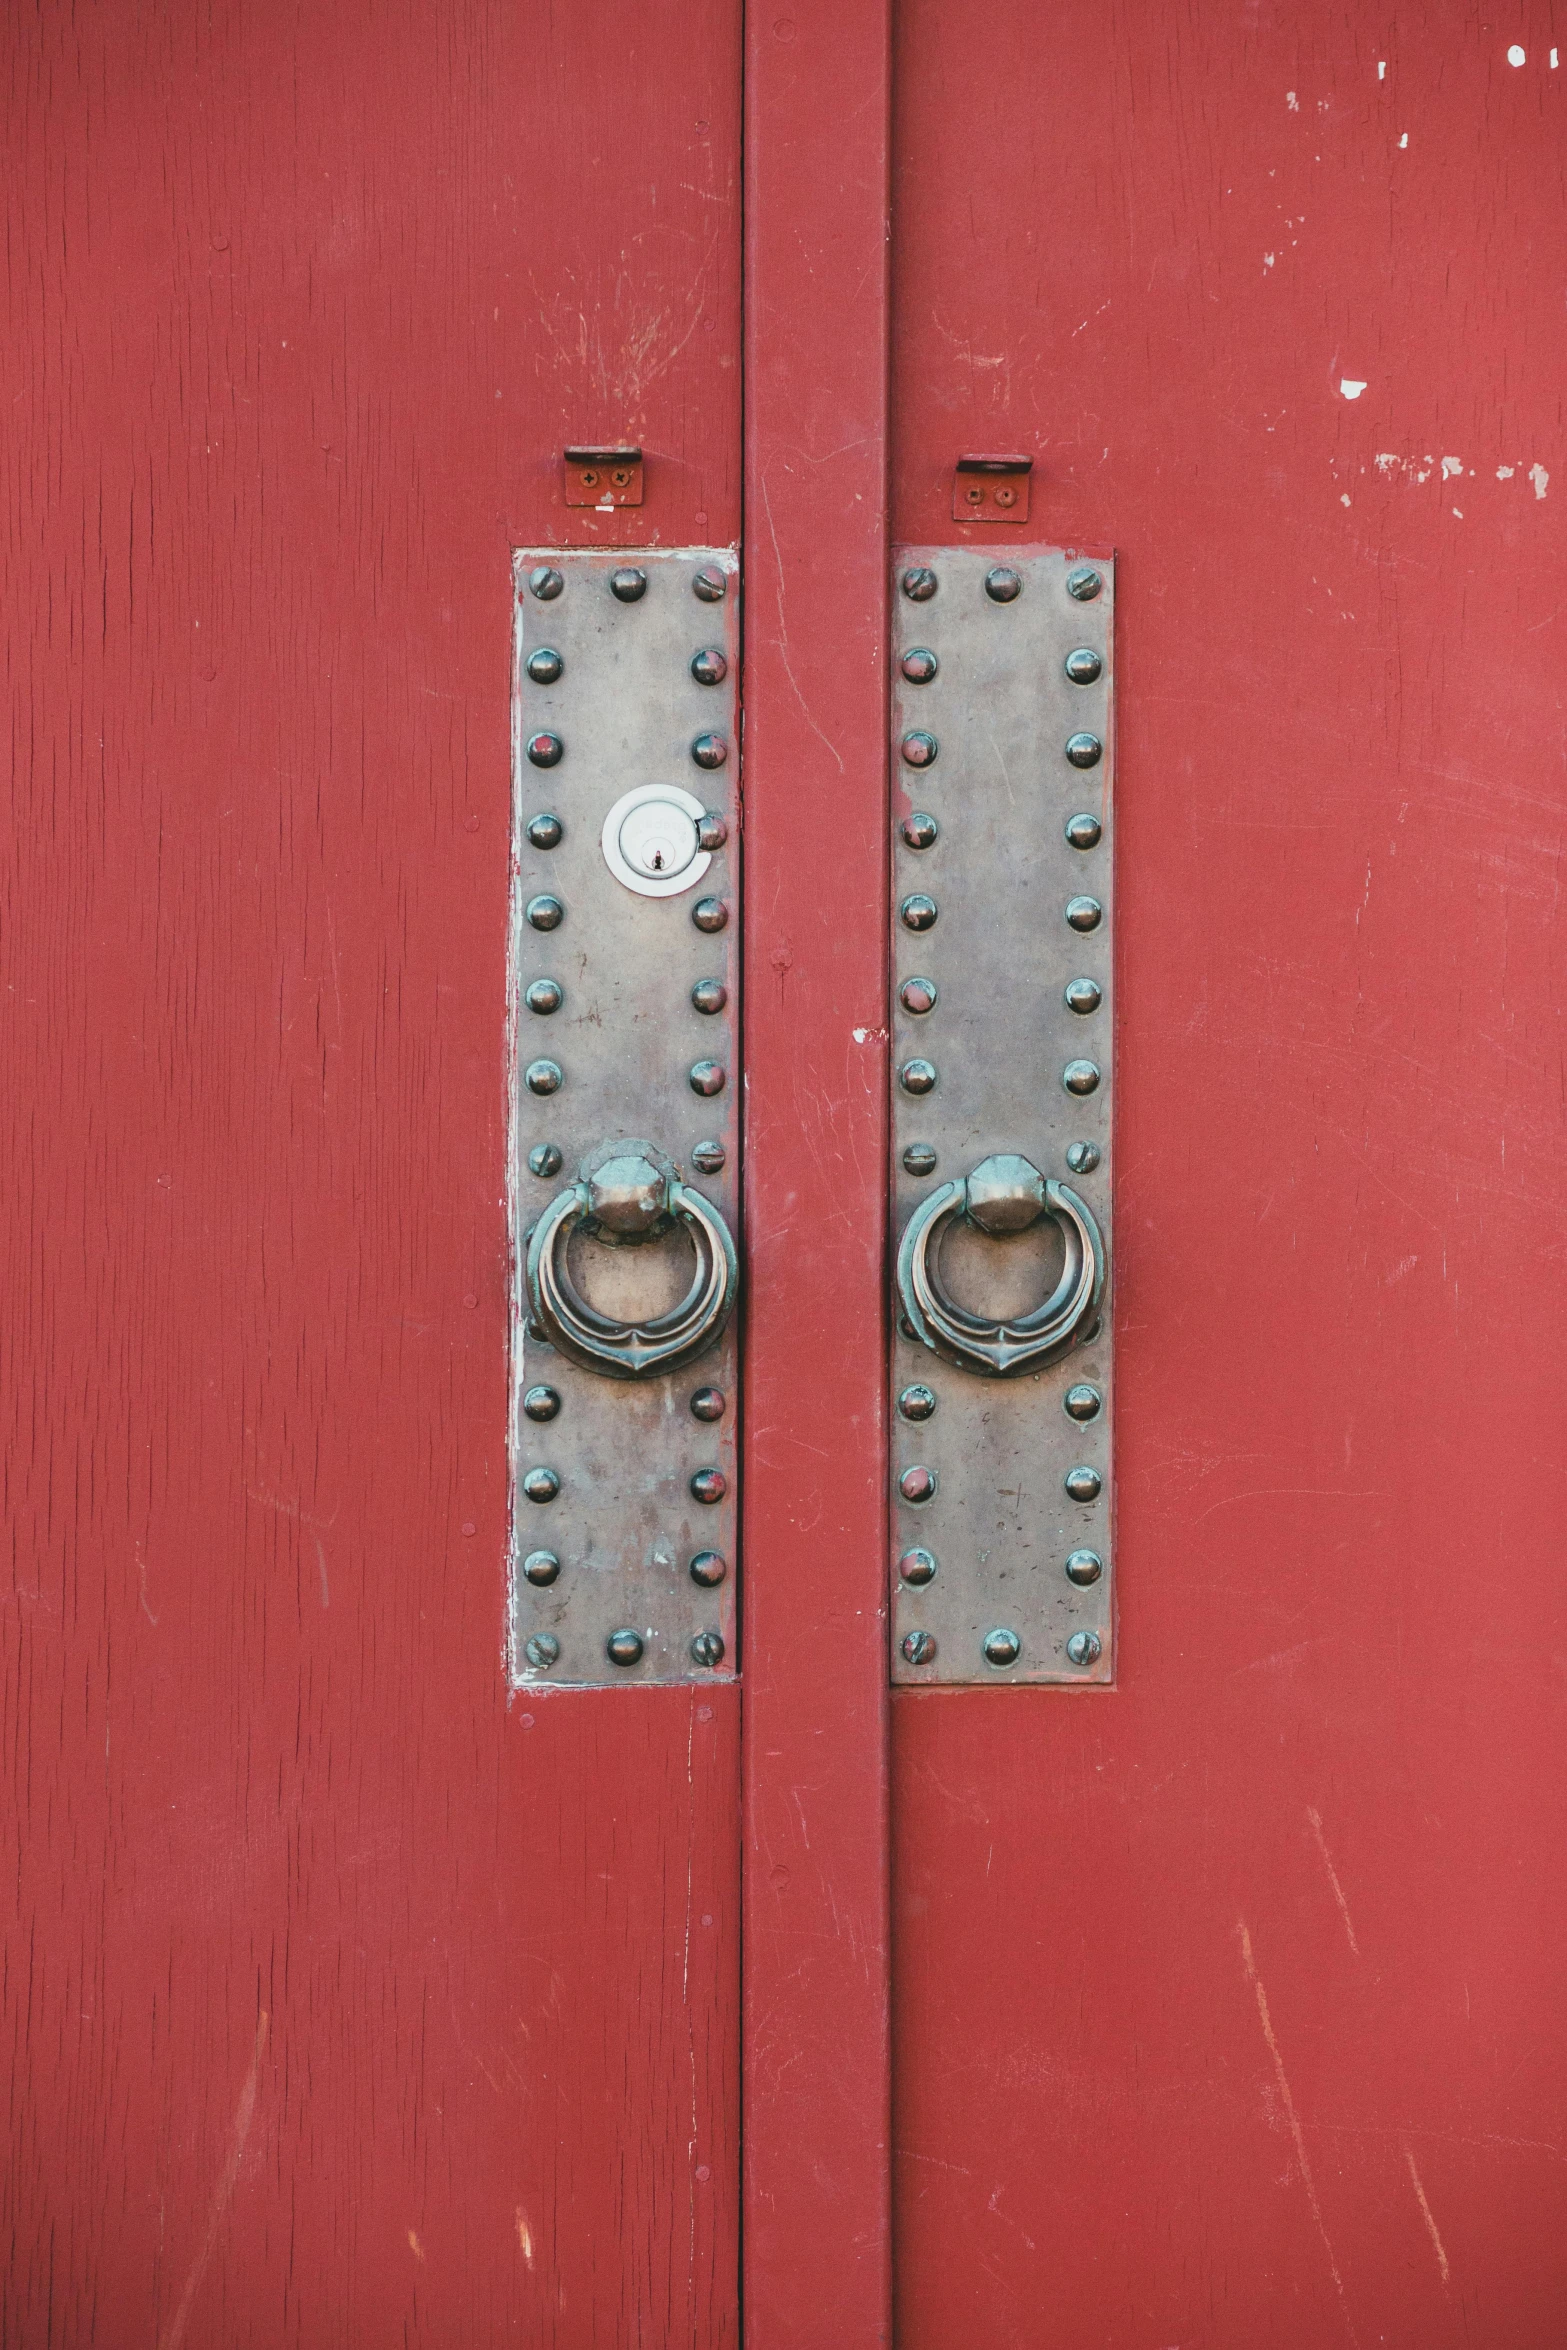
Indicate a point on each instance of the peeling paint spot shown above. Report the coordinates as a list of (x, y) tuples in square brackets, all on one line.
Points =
[(1343, 497), (1505, 472), (1458, 514), (1404, 141), (1267, 260), (1381, 69), (414, 2245), (1350, 388), (1540, 479), (1450, 466), (1516, 56), (871, 1035), (1292, 102), (524, 2235)]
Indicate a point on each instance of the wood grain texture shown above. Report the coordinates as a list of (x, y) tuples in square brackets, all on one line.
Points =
[(340, 2004), (1230, 2005)]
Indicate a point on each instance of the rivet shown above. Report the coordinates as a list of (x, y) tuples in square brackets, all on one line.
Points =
[(1084, 666), (545, 913), (624, 1647), (1083, 1648), (709, 666), (1082, 1157), (917, 1403), (541, 1485), (542, 1651), (1084, 750), (919, 748), (920, 830), (1082, 1484), (543, 1077), (711, 830), (919, 665), (906, 1327), (919, 1159), (918, 912), (917, 1485), (545, 995), (709, 1485), (710, 585), (541, 1567), (1084, 1567), (708, 1404), (1082, 996), (708, 1157), (917, 1077), (1081, 1077), (546, 583), (1083, 832), (544, 1159), (1083, 584), (919, 1647), (917, 995), (1002, 1647), (709, 1568), (541, 1403), (919, 583), (1003, 586), (706, 1078), (710, 995), (710, 750), (707, 1648), (545, 831), (628, 584), (710, 914), (545, 665), (917, 1566), (1084, 913), (1082, 1402), (545, 749)]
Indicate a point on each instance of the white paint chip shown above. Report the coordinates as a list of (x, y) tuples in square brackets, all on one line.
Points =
[(1517, 56), (1555, 59), (1458, 514), (1505, 472), (1350, 389), (1267, 261), (1381, 69), (1450, 466), (1540, 479), (1404, 141), (1343, 497), (1292, 102)]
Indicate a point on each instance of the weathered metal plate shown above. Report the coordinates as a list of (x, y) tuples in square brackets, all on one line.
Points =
[(625, 710), (1001, 951)]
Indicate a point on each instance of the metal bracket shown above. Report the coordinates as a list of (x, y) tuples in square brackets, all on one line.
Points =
[(1001, 1090), (603, 477), (991, 489)]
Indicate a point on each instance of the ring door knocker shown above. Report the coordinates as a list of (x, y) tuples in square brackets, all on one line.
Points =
[(629, 1194), (1002, 1196)]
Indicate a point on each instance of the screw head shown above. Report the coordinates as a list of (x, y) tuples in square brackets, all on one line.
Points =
[(919, 1159), (541, 1485), (706, 1078), (1080, 1077), (1082, 1157), (1002, 1647), (628, 585), (917, 1077), (543, 1077), (709, 995), (1082, 996), (919, 665), (917, 1402), (919, 748), (709, 666), (1083, 1648), (1084, 666), (545, 750), (1084, 584), (544, 1159), (545, 831), (709, 1485), (708, 1404), (711, 830), (1002, 585), (709, 1568), (541, 1567), (707, 1648), (542, 1403), (546, 583), (710, 585), (917, 1484), (1084, 750), (919, 583), (545, 913), (917, 1566), (544, 995), (920, 830), (708, 1157), (918, 912), (545, 665), (1082, 1484), (1084, 913), (917, 995), (542, 1651), (919, 1648), (1083, 832), (624, 1647), (710, 914), (710, 750), (1081, 1402), (1084, 1567)]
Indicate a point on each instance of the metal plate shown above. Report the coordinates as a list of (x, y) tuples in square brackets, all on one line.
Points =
[(626, 710), (1001, 952)]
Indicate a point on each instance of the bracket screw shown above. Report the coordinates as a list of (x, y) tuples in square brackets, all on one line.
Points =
[(1080, 1077), (708, 1404), (1083, 1648), (1082, 1484), (710, 995), (1002, 1647), (545, 665), (708, 1157), (545, 750), (545, 913), (542, 1403), (628, 584), (710, 585), (541, 1485), (919, 749), (1083, 832), (919, 1159), (710, 750), (709, 1485), (917, 1485), (1084, 584), (1084, 913), (709, 666), (1082, 1157), (541, 1567), (917, 1566), (542, 1651), (709, 1568), (919, 665), (544, 1159), (543, 1077), (917, 1077), (707, 1648), (1082, 996), (1084, 750), (1084, 666), (919, 583), (545, 995), (918, 912), (1082, 1402), (919, 1647), (624, 1647), (920, 831), (710, 914), (1003, 586), (1084, 1567), (917, 1403), (546, 583), (545, 831), (917, 995)]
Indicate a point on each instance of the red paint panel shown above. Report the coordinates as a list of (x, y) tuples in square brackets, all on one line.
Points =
[(815, 1869), (340, 2004), (1230, 2004)]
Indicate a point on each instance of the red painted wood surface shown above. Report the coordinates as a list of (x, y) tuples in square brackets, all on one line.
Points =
[(816, 1830), (341, 2002), (1230, 2006)]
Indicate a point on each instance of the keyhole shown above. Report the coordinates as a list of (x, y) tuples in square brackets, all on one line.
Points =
[(657, 860)]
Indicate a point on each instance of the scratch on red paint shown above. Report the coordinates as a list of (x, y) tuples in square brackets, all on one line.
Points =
[(1255, 1980), (244, 2115)]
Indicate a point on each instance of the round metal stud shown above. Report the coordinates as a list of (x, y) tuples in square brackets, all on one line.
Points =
[(544, 1159), (1082, 1157), (624, 1647), (709, 1569), (917, 1485), (1082, 996), (1082, 1484), (1084, 666), (919, 748), (919, 1159), (917, 1077), (541, 1485), (918, 912), (1084, 584), (546, 583), (709, 1485), (706, 1078), (709, 666), (1084, 750), (542, 1651), (917, 995), (919, 665), (906, 1327), (711, 831), (545, 913), (1002, 1647), (541, 1567), (1081, 1402), (708, 1157), (708, 1404), (1083, 832), (628, 585), (917, 1402), (545, 665), (541, 1403), (919, 583), (545, 831), (1002, 585), (545, 995), (1083, 1648), (1084, 1567), (919, 1648), (710, 750), (920, 831), (707, 1648), (543, 1077), (545, 750), (710, 914), (1081, 1077), (1084, 913), (710, 995), (917, 1566), (710, 585)]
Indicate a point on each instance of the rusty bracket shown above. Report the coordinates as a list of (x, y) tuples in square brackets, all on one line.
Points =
[(603, 477), (991, 489)]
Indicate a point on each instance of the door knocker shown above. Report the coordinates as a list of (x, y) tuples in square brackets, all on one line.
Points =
[(1003, 1195)]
